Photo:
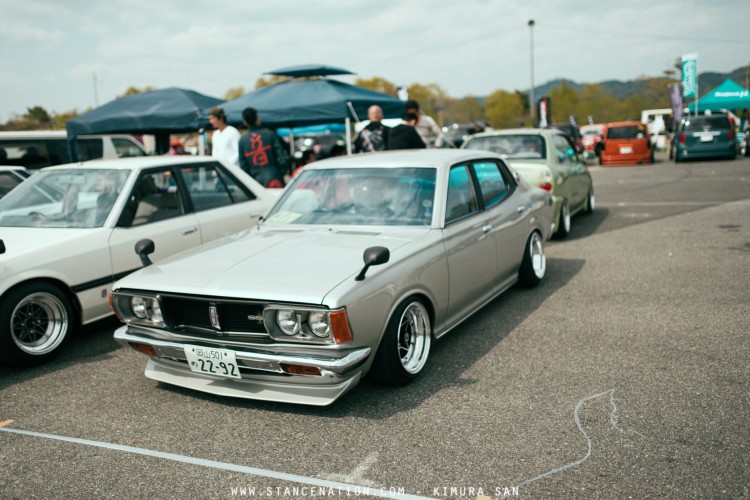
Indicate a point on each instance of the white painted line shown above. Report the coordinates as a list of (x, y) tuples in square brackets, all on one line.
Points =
[(666, 203), (282, 476)]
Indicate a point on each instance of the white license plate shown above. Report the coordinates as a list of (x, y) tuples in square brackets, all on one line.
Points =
[(626, 150), (220, 362), (707, 138)]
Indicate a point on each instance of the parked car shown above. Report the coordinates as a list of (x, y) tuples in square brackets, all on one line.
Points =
[(591, 138), (361, 264), (10, 177), (572, 132), (705, 136), (38, 149), (545, 158), (626, 143), (67, 233)]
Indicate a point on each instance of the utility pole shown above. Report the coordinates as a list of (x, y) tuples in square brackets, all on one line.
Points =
[(532, 100)]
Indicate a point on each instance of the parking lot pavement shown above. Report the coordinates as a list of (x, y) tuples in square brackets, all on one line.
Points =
[(624, 374)]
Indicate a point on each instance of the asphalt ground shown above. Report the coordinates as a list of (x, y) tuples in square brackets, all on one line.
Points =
[(624, 375)]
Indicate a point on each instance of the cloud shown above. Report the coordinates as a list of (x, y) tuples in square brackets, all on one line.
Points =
[(19, 33)]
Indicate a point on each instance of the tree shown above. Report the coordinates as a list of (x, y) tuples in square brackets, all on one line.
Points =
[(234, 93), (564, 102), (465, 110), (265, 82), (431, 99), (378, 84), (504, 109), (135, 90)]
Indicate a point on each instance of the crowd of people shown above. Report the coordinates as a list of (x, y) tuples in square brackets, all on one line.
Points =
[(263, 155)]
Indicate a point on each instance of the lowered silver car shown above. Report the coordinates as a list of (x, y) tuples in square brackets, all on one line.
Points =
[(360, 265)]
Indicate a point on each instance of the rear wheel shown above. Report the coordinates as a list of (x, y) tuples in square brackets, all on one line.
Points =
[(563, 226), (405, 347), (36, 320), (590, 202), (534, 264)]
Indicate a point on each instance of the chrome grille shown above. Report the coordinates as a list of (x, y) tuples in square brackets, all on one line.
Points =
[(191, 314)]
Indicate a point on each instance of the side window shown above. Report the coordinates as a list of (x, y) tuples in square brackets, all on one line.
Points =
[(58, 151), (462, 199), (492, 184), (210, 186), (90, 149), (565, 151), (7, 182), (125, 148), (155, 197)]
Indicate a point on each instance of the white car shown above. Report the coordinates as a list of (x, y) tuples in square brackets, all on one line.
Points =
[(68, 232), (10, 177)]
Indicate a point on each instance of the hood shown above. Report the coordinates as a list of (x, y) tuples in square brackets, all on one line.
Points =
[(24, 240), (269, 264)]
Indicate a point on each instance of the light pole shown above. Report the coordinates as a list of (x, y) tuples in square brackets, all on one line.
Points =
[(96, 80), (532, 100)]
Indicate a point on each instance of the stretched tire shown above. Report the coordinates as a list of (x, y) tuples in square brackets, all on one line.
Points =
[(563, 226), (405, 347), (36, 321), (534, 264), (590, 202)]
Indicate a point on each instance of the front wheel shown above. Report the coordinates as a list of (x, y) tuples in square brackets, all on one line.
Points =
[(590, 202), (36, 320), (405, 346), (563, 226), (534, 264)]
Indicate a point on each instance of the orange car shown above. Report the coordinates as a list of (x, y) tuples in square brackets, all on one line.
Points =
[(626, 143)]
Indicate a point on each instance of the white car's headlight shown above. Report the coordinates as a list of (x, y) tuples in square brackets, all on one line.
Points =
[(288, 321), (320, 323), (138, 308)]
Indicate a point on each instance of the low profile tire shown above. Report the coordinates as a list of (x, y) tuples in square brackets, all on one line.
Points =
[(590, 202), (563, 226), (534, 264), (36, 321), (405, 347)]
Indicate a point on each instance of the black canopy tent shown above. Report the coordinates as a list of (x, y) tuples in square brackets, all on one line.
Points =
[(159, 112)]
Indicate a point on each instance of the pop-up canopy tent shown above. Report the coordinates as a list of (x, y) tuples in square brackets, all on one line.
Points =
[(159, 112), (729, 95), (316, 101)]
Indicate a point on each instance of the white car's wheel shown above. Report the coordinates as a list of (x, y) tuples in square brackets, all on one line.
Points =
[(534, 264), (36, 321), (563, 226), (405, 347), (590, 202)]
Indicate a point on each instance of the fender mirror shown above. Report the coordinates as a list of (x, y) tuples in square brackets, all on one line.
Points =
[(373, 256), (2, 247), (144, 248)]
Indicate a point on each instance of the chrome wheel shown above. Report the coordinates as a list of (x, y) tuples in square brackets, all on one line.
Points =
[(538, 259), (591, 203), (414, 338), (39, 323), (565, 218)]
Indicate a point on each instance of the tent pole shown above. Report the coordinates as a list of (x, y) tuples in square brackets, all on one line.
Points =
[(202, 142)]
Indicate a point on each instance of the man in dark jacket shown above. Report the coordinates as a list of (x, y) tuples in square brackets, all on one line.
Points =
[(374, 137), (262, 154), (405, 136)]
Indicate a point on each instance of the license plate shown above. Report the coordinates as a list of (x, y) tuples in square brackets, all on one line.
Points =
[(220, 362), (626, 150), (707, 138)]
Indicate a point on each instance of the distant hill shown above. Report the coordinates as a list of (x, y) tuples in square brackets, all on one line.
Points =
[(707, 81)]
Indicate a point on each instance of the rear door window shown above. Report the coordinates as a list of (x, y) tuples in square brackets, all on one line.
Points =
[(211, 186)]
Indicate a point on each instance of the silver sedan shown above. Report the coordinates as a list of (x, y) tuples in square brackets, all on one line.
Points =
[(360, 265)]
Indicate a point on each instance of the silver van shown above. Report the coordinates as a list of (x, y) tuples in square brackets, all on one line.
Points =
[(37, 149)]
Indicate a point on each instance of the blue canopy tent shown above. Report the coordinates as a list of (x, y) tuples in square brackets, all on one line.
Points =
[(729, 95), (297, 103), (159, 112)]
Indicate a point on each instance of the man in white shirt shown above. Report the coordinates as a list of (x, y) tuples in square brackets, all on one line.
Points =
[(426, 126), (225, 140)]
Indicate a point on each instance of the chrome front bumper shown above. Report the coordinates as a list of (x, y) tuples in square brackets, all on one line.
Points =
[(262, 374)]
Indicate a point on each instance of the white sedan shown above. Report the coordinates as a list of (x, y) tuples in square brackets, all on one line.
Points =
[(68, 232)]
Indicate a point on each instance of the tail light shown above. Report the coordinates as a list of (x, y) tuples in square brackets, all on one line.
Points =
[(682, 138), (546, 186), (730, 135)]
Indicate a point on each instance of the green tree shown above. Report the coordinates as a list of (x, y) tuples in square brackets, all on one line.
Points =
[(563, 103), (234, 93), (431, 98), (270, 80), (504, 109), (465, 110), (378, 84), (135, 90)]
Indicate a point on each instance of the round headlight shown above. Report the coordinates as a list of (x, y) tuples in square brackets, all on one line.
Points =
[(319, 323), (156, 311), (138, 306), (288, 321)]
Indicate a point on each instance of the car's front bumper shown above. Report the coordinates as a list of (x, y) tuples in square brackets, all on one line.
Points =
[(262, 375)]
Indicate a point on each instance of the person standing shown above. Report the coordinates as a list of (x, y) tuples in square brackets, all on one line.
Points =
[(425, 125), (261, 152), (374, 137), (225, 139), (405, 135)]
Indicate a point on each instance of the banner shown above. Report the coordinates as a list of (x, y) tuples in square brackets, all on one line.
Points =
[(675, 97), (543, 113), (690, 76)]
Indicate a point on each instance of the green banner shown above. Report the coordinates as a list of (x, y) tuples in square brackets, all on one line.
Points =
[(689, 76)]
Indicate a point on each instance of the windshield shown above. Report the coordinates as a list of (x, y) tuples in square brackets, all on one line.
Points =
[(369, 196), (63, 198), (512, 146)]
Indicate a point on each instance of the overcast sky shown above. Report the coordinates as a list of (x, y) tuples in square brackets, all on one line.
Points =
[(51, 50)]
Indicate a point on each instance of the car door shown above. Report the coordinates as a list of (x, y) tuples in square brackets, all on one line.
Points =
[(505, 214), (566, 177), (577, 171), (156, 209), (222, 204), (469, 245)]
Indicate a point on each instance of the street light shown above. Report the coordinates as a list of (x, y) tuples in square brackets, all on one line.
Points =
[(532, 100)]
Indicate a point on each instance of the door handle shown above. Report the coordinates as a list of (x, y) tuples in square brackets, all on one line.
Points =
[(521, 208), (188, 230), (487, 228)]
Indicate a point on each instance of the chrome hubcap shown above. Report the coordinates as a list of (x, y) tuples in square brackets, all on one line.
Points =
[(39, 323), (566, 217), (538, 259), (592, 200), (414, 338)]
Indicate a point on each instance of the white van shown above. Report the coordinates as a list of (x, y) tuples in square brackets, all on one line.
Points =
[(37, 149)]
